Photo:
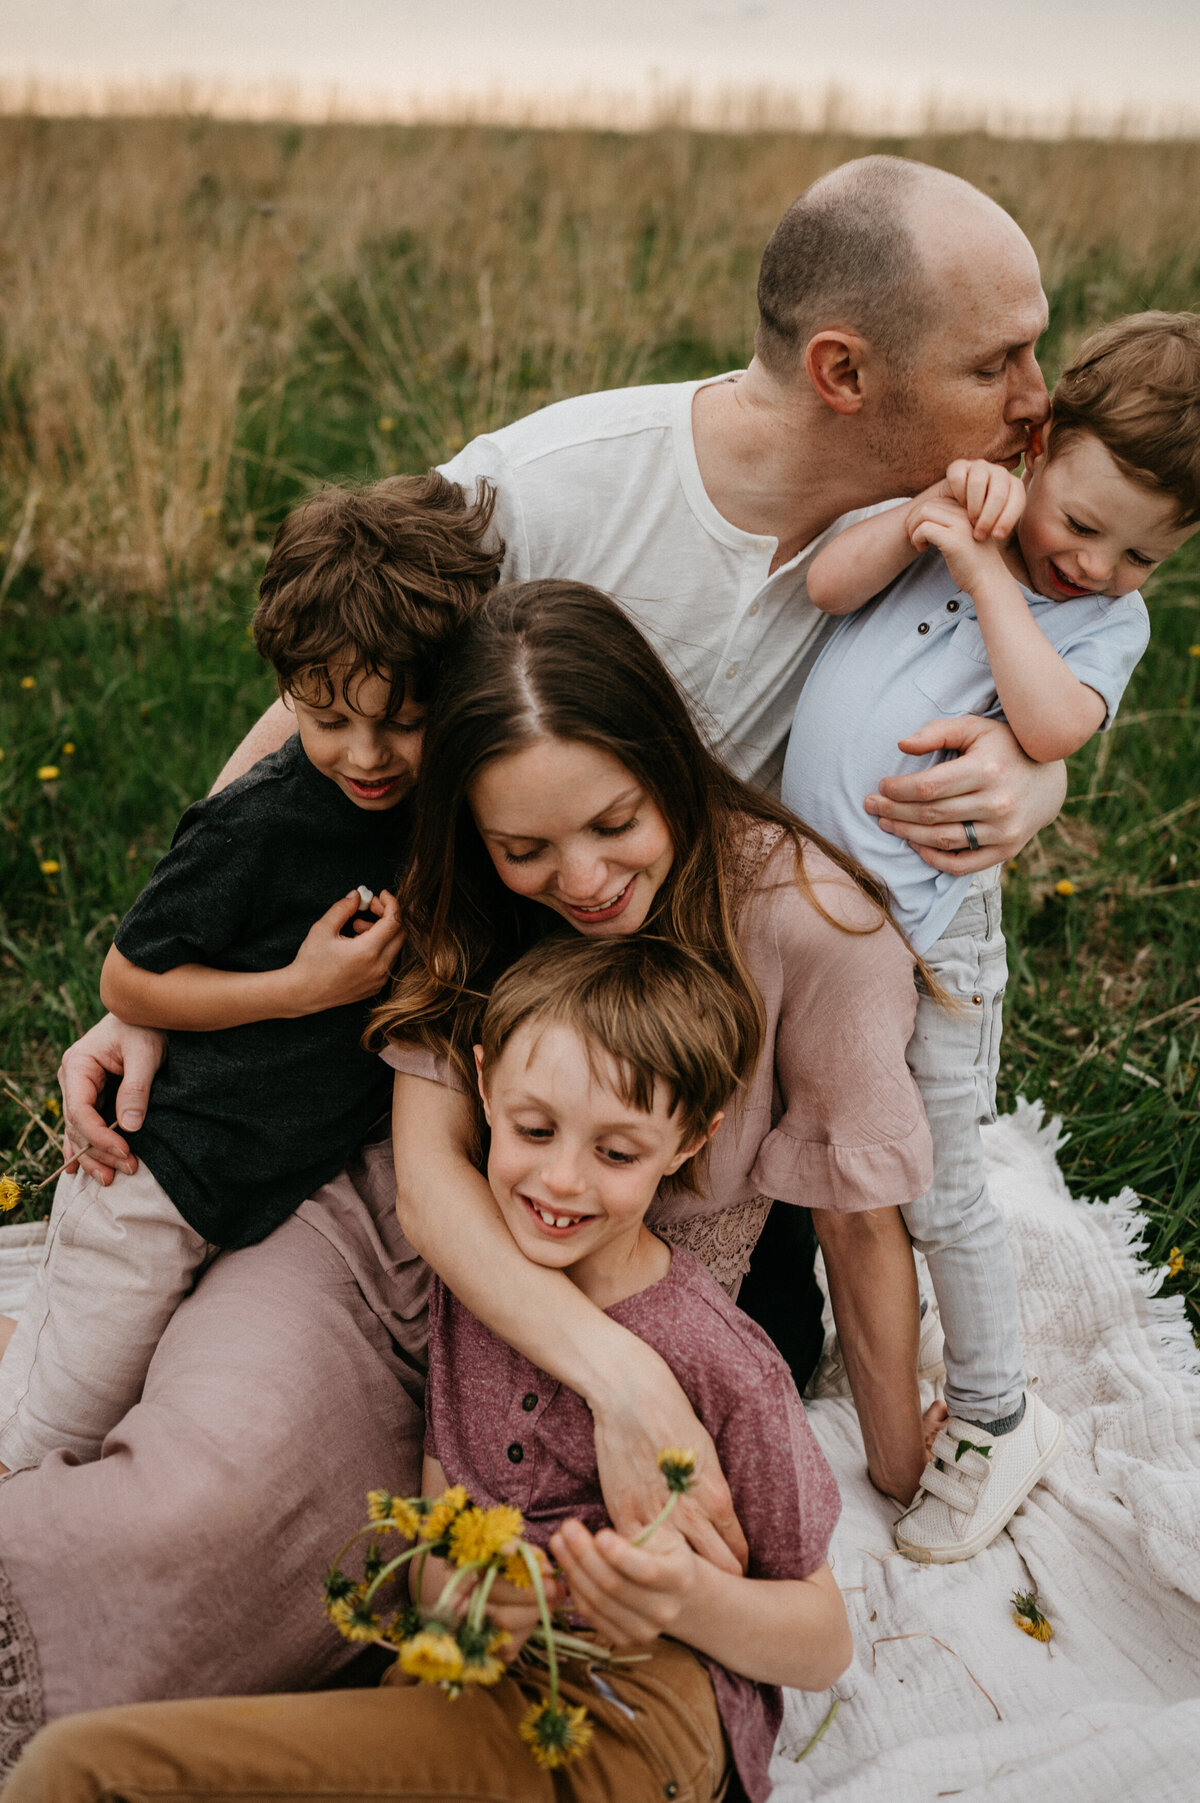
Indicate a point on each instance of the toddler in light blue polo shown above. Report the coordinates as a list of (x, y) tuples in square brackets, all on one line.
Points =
[(1018, 601)]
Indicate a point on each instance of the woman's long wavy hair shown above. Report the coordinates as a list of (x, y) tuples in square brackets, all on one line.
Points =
[(557, 659)]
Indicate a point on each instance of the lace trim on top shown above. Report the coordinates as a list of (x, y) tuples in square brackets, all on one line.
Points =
[(22, 1709), (722, 1242)]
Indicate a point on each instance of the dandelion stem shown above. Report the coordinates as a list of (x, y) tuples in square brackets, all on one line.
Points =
[(535, 1572), (392, 1565), (658, 1520), (827, 1723)]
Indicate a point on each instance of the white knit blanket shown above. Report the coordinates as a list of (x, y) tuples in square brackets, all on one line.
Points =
[(947, 1698)]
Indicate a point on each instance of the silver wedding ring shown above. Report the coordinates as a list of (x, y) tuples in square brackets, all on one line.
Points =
[(969, 830)]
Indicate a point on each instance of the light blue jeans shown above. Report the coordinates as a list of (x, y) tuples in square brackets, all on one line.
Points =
[(954, 1054)]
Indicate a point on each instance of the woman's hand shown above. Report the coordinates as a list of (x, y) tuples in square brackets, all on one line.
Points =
[(629, 1594), (110, 1048), (1005, 795), (330, 969), (633, 1423)]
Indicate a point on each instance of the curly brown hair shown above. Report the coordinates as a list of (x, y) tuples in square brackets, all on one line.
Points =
[(374, 580)]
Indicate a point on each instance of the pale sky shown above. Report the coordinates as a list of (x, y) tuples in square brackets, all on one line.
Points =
[(1046, 57)]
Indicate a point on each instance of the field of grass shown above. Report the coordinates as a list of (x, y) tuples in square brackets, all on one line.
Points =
[(200, 320)]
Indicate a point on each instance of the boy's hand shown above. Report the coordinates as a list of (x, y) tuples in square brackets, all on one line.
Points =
[(509, 1607), (629, 1594), (946, 525), (993, 497), (330, 969)]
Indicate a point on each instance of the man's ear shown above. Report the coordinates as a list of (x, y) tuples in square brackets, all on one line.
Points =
[(834, 362), (479, 1080), (694, 1146)]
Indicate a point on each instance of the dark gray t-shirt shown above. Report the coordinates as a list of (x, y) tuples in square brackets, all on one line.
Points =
[(245, 1122)]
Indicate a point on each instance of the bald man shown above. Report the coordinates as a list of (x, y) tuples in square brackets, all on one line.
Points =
[(899, 309)]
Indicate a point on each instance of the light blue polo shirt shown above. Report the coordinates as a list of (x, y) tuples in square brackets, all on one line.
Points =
[(913, 654)]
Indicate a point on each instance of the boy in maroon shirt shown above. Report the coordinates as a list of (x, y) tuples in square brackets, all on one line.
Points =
[(603, 1069)]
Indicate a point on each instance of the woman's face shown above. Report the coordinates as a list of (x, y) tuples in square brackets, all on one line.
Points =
[(569, 826)]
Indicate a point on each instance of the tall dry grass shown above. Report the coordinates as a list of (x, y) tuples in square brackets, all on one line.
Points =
[(172, 290)]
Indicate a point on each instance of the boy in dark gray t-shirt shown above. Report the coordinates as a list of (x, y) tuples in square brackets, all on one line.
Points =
[(258, 945)]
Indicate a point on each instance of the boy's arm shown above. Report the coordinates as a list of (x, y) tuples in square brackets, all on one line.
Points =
[(853, 568), (328, 971), (512, 1609), (773, 1630), (1051, 712)]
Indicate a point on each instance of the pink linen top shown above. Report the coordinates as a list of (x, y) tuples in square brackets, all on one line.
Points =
[(831, 1117), (510, 1433)]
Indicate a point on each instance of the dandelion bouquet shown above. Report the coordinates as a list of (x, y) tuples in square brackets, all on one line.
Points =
[(455, 1647)]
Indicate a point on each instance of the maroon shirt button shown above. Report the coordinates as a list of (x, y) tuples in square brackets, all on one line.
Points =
[(529, 1401), (516, 1452)]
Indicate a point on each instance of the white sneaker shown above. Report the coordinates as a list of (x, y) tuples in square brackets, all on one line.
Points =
[(832, 1379), (975, 1483)]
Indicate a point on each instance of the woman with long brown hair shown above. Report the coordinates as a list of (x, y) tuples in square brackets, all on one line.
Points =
[(565, 787)]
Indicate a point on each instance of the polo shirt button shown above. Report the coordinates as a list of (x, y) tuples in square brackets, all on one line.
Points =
[(924, 626), (529, 1402), (978, 1000), (731, 672), (671, 1789), (516, 1452), (952, 607), (753, 609)]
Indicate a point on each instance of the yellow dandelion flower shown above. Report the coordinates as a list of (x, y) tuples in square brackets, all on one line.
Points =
[(679, 1469), (351, 1617), (478, 1535), (29, 682), (514, 1571), (68, 750), (1029, 1617), (49, 867), (1, 754), (1064, 886), (393, 1512), (553, 1735), (10, 1194), (479, 1647), (451, 1503), (52, 1106), (433, 1656), (48, 773), (1194, 650), (386, 423), (1175, 1262)]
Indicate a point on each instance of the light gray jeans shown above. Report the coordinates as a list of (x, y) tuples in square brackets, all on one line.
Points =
[(954, 1054)]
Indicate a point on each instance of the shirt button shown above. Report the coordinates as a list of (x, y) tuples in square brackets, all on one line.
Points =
[(924, 626), (731, 672), (753, 609), (528, 1402), (978, 1000), (952, 607), (516, 1452)]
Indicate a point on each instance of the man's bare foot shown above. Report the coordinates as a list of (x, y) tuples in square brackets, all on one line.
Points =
[(931, 1422)]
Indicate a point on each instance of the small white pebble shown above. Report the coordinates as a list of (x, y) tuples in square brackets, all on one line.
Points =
[(365, 895)]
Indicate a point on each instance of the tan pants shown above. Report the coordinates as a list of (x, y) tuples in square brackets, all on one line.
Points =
[(401, 1741), (118, 1262)]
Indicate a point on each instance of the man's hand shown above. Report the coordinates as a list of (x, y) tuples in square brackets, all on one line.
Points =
[(110, 1048), (629, 1594), (1004, 794), (331, 969)]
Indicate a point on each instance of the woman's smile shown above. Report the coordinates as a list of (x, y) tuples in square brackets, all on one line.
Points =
[(567, 825)]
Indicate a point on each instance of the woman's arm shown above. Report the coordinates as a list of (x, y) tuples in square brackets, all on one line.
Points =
[(269, 732), (774, 1630), (328, 971), (859, 562), (447, 1211)]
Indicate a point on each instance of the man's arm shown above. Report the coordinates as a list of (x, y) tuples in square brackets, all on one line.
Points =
[(267, 734)]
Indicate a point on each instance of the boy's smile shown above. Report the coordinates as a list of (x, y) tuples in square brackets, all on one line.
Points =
[(572, 1166), (1088, 528), (370, 754)]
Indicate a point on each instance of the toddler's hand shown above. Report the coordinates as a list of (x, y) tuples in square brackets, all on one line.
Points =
[(629, 1594), (993, 497), (330, 970), (945, 525)]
